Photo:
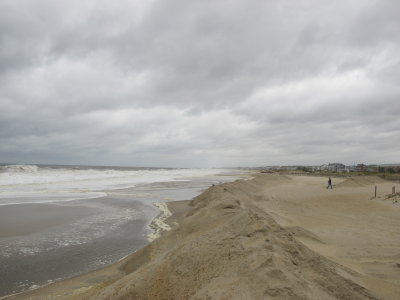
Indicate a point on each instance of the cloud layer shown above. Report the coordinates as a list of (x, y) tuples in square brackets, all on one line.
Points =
[(199, 83)]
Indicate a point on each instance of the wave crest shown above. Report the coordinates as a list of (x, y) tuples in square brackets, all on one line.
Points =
[(20, 168)]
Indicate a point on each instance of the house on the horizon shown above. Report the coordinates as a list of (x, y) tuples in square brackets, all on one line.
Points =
[(336, 167), (389, 168), (351, 168), (361, 168)]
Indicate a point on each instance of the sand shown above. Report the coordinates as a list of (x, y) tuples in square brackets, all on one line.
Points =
[(272, 237)]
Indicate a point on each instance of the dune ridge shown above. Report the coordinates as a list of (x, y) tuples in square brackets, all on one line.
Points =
[(228, 248), (361, 181)]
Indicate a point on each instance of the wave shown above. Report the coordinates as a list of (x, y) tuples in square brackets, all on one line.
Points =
[(35, 198), (87, 178), (19, 168), (31, 183)]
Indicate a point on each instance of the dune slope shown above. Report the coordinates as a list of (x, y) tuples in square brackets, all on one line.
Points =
[(228, 248)]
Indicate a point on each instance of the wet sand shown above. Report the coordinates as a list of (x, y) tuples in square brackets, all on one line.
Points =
[(42, 243), (280, 237)]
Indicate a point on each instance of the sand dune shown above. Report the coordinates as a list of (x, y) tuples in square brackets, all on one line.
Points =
[(272, 237), (361, 181)]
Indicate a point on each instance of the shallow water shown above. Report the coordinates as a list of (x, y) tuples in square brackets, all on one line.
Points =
[(44, 240)]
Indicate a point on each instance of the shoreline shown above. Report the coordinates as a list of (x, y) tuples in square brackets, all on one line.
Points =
[(151, 228), (286, 237), (66, 255), (72, 286), (158, 224)]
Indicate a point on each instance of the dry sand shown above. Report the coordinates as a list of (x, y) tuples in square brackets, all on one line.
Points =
[(272, 237)]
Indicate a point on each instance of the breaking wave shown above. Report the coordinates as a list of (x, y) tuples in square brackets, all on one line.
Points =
[(19, 168), (32, 183)]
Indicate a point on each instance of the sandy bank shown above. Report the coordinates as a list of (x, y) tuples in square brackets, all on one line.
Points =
[(272, 237)]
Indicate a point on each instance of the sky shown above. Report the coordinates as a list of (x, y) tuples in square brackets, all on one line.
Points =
[(184, 83)]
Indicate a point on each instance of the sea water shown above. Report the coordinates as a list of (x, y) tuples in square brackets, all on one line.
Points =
[(61, 221)]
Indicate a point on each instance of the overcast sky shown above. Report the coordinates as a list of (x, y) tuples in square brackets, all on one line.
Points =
[(199, 83)]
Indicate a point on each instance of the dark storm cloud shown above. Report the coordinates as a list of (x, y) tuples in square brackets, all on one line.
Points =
[(199, 83)]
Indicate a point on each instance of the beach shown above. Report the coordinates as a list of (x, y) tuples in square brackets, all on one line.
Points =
[(58, 222), (169, 216), (274, 236)]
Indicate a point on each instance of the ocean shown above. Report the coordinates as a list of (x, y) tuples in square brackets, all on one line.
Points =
[(60, 221)]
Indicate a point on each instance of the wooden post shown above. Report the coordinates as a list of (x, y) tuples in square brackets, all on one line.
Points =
[(375, 190), (393, 190)]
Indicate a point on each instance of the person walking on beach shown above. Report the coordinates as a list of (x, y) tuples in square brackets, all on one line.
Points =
[(329, 183)]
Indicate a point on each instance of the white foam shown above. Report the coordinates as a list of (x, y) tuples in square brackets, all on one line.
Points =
[(158, 224), (27, 197), (20, 168), (29, 183)]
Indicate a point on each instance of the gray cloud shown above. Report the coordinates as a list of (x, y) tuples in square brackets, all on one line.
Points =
[(189, 83)]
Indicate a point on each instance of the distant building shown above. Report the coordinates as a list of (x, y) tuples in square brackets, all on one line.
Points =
[(361, 168), (372, 168), (389, 168), (351, 168), (323, 167), (336, 167)]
